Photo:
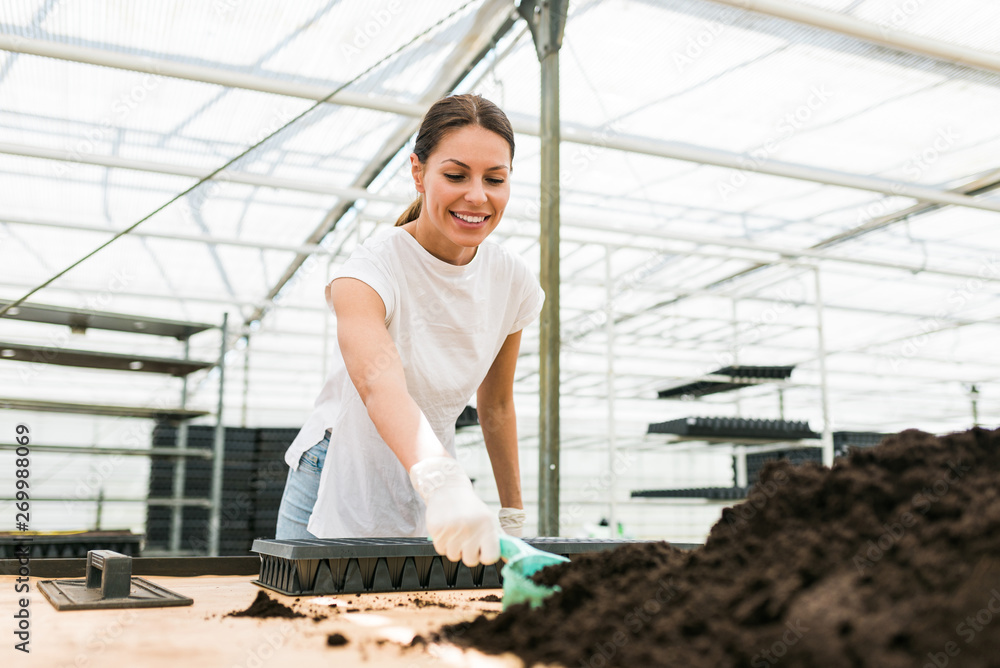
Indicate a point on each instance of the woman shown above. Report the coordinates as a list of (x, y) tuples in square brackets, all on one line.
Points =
[(428, 313)]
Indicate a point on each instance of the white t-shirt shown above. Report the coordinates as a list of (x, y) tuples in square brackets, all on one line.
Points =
[(448, 323)]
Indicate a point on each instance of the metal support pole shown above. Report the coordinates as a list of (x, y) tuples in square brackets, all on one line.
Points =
[(740, 461), (218, 450), (609, 327), (735, 319), (100, 508), (246, 382), (180, 465), (547, 19), (974, 397), (824, 395)]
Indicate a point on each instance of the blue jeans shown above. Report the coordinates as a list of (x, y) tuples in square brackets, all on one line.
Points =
[(301, 490)]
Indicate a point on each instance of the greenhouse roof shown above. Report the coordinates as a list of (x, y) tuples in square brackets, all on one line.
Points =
[(737, 187)]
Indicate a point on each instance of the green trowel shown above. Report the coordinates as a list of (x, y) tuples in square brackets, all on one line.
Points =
[(522, 562)]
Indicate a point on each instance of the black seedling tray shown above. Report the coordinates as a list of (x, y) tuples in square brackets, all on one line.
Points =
[(734, 428), (844, 440), (748, 375), (713, 493), (365, 565)]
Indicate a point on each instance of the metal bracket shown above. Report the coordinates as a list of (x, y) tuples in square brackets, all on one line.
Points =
[(547, 22), (109, 584)]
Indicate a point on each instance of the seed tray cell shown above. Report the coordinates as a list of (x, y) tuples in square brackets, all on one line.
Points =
[(366, 565)]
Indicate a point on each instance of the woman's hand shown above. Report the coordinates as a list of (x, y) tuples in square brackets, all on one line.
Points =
[(461, 526), (512, 521)]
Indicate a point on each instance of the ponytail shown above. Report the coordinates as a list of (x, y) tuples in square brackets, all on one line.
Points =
[(412, 213)]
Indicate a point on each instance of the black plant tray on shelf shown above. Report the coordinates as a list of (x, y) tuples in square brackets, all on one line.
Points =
[(712, 493), (757, 460), (742, 376), (363, 565), (734, 428), (844, 440), (66, 545)]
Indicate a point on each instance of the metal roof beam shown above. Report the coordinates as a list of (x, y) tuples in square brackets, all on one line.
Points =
[(569, 132), (784, 255), (243, 178), (315, 249), (883, 35)]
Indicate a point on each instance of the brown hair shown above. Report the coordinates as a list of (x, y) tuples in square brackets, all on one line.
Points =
[(448, 114)]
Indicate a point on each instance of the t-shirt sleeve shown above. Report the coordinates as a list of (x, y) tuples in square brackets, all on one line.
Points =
[(532, 297), (367, 267)]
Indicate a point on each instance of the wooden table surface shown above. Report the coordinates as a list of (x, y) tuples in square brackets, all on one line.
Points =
[(378, 627)]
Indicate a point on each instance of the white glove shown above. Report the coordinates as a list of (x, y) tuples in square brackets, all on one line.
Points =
[(461, 526), (512, 521)]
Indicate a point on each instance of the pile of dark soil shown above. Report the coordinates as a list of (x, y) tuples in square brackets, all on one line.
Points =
[(889, 559), (337, 640), (265, 606)]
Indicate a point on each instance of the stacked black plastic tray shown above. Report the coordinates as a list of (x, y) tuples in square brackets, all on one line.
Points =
[(361, 565), (468, 418), (243, 515), (270, 474), (735, 428), (70, 545)]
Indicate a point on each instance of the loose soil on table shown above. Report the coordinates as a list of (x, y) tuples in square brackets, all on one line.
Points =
[(337, 640), (265, 606), (889, 559)]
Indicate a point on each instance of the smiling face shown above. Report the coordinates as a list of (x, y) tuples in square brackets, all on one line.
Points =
[(465, 183)]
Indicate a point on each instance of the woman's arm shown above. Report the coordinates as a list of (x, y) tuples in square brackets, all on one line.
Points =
[(375, 368), (495, 406), (462, 527)]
